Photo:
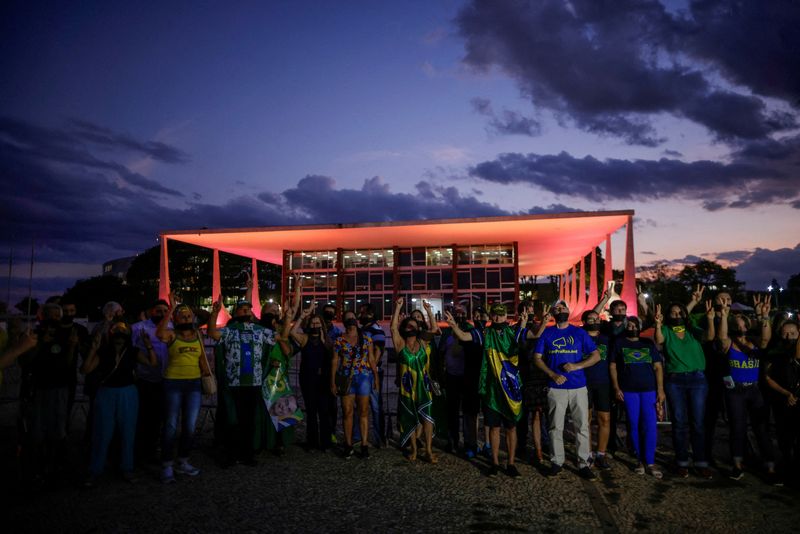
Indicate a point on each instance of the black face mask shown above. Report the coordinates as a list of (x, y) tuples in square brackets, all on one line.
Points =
[(328, 316), (739, 333), (364, 321), (674, 321), (315, 331), (266, 320), (618, 317), (119, 338), (183, 327), (789, 343), (632, 333), (717, 307), (67, 319), (157, 318), (591, 327), (413, 332), (562, 317), (348, 323), (498, 326)]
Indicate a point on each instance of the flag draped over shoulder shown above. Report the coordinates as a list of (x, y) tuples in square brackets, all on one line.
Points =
[(500, 384), (416, 400)]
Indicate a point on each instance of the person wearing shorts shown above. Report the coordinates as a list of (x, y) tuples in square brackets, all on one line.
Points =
[(598, 386)]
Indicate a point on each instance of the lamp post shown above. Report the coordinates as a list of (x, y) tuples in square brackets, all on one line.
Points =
[(776, 289)]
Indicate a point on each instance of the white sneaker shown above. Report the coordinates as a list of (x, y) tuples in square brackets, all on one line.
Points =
[(183, 467), (167, 474)]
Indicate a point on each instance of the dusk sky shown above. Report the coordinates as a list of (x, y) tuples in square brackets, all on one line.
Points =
[(122, 119)]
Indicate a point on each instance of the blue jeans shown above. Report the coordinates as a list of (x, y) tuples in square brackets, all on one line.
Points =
[(181, 397), (375, 411), (686, 394), (641, 410), (113, 409)]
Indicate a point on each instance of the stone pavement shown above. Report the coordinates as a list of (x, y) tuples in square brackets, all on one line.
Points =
[(315, 492)]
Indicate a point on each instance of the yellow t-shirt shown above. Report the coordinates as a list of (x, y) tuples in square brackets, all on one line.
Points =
[(183, 361)]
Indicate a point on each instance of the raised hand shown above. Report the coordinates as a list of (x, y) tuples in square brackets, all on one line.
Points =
[(217, 304), (399, 302), (523, 317), (709, 309), (545, 311), (766, 307), (426, 305), (658, 317), (697, 294), (449, 318), (757, 305)]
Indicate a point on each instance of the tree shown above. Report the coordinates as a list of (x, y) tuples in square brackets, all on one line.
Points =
[(23, 305), (91, 294), (792, 294), (712, 275)]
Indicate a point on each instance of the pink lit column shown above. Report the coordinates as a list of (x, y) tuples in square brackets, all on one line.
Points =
[(216, 290), (591, 302), (562, 288), (608, 272), (256, 297), (629, 280), (581, 298), (163, 275)]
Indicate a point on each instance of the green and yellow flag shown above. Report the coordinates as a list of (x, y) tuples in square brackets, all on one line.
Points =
[(500, 383)]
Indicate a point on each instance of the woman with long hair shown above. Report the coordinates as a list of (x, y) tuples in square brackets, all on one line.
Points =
[(315, 366), (416, 399), (186, 363), (353, 373)]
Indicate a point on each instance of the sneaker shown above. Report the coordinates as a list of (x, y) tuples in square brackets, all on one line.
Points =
[(167, 474), (487, 450), (736, 473), (493, 471), (554, 470), (682, 472), (364, 452), (348, 453), (586, 473), (655, 472), (773, 479), (470, 454), (639, 470), (185, 468), (333, 439), (601, 462), (512, 471), (706, 473)]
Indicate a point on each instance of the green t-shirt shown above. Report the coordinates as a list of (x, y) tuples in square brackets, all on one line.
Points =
[(683, 355)]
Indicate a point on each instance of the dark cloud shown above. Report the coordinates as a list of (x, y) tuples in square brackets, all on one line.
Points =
[(757, 174), (507, 122), (734, 256), (648, 253), (83, 213), (672, 153), (22, 141), (105, 137), (552, 208), (609, 67), (764, 264)]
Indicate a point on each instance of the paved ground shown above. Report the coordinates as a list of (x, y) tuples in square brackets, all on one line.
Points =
[(315, 492)]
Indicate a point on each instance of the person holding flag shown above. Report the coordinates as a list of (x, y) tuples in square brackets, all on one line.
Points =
[(562, 353), (416, 400), (499, 385)]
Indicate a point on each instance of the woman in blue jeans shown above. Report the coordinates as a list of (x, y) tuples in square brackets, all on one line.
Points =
[(116, 402), (686, 385), (742, 389), (186, 363), (637, 377)]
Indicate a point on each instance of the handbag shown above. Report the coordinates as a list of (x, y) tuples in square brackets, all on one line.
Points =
[(208, 384), (342, 383)]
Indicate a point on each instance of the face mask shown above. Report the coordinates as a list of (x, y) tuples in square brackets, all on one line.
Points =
[(67, 319), (632, 333), (315, 331), (591, 327), (349, 323), (739, 333), (618, 317), (266, 320), (674, 321), (119, 338), (562, 317), (412, 332), (364, 321), (498, 326), (328, 316), (157, 318), (183, 327), (717, 307)]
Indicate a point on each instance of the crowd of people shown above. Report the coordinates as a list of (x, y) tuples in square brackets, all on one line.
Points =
[(145, 383)]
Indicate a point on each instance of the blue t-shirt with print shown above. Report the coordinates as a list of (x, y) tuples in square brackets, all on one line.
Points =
[(743, 369), (568, 345)]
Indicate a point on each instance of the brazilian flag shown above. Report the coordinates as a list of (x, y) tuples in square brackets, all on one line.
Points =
[(416, 400), (500, 384)]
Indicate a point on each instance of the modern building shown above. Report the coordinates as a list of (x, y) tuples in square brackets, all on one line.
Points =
[(118, 267), (472, 262)]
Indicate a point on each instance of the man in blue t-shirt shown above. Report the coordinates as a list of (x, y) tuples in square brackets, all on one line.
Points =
[(562, 352)]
